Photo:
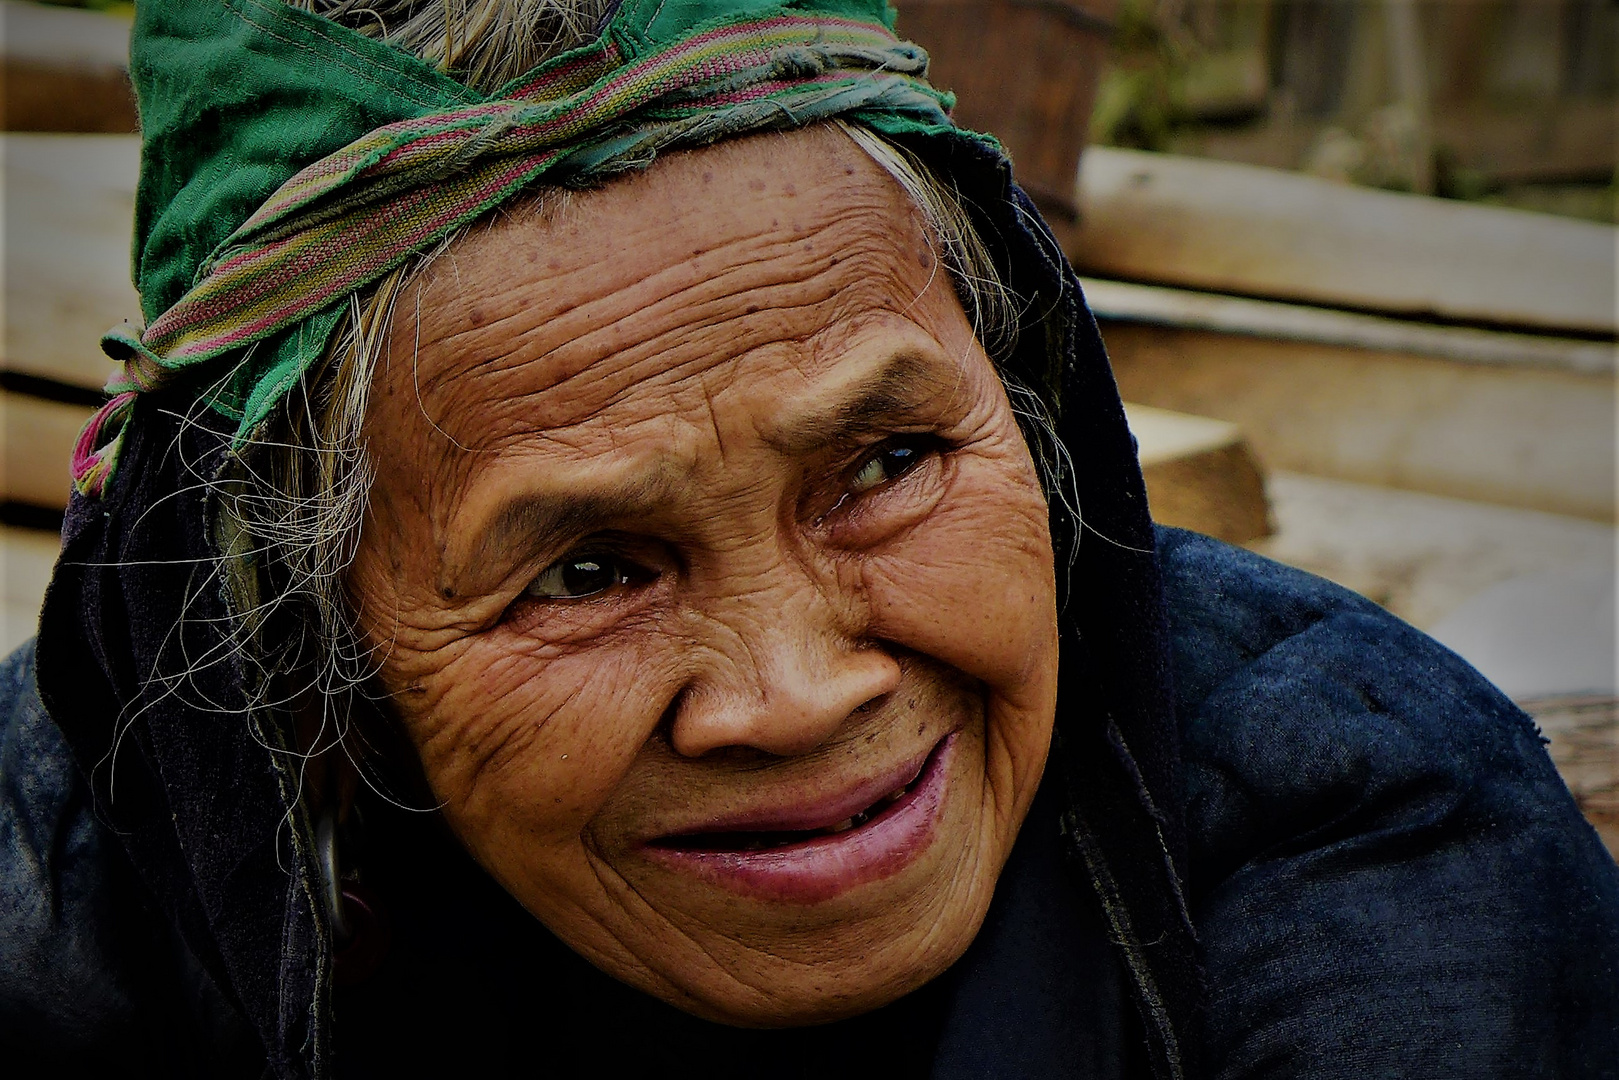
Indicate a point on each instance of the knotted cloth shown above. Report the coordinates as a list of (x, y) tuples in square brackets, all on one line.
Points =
[(263, 303)]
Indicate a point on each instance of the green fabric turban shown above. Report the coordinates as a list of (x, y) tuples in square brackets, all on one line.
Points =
[(289, 162)]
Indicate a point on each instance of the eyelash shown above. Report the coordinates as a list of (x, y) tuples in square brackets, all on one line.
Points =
[(610, 569)]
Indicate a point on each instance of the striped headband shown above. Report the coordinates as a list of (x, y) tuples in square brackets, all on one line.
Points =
[(264, 303)]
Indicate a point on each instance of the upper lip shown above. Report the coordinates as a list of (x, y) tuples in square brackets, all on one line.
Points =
[(794, 814)]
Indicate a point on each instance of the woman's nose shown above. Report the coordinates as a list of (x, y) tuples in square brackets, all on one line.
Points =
[(784, 687)]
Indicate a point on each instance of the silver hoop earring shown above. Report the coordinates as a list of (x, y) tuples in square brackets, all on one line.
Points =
[(331, 878)]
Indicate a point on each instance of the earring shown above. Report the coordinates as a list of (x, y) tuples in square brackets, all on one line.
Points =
[(360, 932)]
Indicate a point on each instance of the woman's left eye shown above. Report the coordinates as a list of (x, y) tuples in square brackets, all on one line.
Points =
[(889, 462), (574, 577)]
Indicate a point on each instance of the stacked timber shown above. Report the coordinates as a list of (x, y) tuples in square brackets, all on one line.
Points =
[(69, 201), (1027, 70), (1467, 350), (68, 197)]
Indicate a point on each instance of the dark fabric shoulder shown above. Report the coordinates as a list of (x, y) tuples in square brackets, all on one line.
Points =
[(1388, 876), (91, 977), (57, 989)]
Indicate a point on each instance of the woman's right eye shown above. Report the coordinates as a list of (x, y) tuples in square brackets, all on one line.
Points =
[(576, 576)]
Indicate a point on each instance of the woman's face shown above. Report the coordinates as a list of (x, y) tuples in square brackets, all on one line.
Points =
[(712, 580)]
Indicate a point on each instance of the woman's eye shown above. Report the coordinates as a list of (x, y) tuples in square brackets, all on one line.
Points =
[(890, 462), (576, 576)]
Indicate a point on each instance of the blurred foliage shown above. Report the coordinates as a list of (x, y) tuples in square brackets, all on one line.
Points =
[(1137, 98), (1312, 85), (1164, 75)]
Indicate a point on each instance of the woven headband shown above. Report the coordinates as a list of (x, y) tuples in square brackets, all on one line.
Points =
[(265, 301)]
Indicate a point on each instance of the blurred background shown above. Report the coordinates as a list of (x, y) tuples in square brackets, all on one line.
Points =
[(1354, 261)]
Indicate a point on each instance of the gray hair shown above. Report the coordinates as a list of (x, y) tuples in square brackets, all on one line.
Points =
[(298, 498)]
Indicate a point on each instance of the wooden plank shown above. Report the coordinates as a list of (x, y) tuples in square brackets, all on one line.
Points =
[(37, 437), (64, 70), (1536, 438), (26, 560), (1424, 557), (1200, 474), (68, 203), (1238, 229), (1161, 306)]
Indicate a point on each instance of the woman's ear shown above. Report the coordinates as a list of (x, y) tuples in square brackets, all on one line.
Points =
[(375, 752), (330, 775)]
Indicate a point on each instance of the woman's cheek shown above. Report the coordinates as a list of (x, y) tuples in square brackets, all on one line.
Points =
[(972, 586), (518, 744)]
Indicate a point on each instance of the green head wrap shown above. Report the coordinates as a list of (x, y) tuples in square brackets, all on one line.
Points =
[(289, 162)]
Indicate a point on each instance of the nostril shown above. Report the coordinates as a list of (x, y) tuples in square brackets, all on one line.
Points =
[(666, 722), (787, 707), (871, 704)]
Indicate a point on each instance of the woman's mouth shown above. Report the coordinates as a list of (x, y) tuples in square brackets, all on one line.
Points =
[(798, 855)]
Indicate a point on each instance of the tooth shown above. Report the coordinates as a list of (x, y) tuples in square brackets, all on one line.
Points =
[(843, 826)]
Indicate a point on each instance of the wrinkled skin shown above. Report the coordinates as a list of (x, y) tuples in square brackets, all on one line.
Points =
[(741, 390)]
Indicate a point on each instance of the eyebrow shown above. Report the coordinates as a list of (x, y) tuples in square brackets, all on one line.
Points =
[(903, 385), (544, 520)]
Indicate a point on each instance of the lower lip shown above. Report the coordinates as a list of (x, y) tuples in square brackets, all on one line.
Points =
[(827, 866)]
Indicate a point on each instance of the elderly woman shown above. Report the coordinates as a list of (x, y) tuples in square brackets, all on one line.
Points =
[(617, 551)]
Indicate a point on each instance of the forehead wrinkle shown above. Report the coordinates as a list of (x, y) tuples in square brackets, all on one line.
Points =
[(845, 227), (711, 334)]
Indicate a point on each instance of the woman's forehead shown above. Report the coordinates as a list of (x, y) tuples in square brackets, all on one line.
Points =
[(748, 260)]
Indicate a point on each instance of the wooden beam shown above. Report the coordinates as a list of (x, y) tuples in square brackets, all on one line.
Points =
[(26, 560), (1582, 733), (69, 202), (1161, 306), (37, 438), (1238, 229), (1531, 437), (1200, 474), (64, 70)]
